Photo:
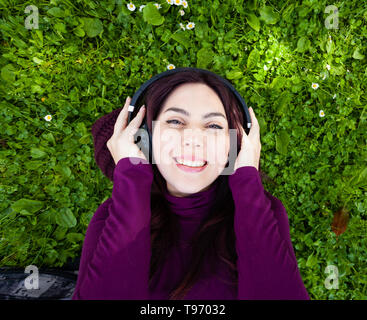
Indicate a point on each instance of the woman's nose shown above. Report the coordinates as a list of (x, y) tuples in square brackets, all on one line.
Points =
[(194, 137)]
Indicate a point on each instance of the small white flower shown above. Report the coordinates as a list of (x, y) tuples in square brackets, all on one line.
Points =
[(48, 117), (182, 12), (141, 7), (182, 26), (328, 67), (177, 2), (170, 2), (171, 66), (334, 96), (321, 113), (348, 70), (190, 25), (131, 6), (315, 85), (158, 5), (184, 3), (265, 67)]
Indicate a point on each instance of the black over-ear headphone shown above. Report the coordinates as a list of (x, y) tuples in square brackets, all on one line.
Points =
[(146, 138)]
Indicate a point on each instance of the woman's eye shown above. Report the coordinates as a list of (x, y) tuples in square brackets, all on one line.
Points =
[(217, 127), (212, 126), (170, 121)]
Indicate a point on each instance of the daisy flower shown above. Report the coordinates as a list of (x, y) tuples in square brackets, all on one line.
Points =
[(190, 25), (315, 85), (48, 117), (131, 6), (170, 2), (182, 12), (328, 67), (182, 26), (321, 113), (184, 3), (141, 7), (171, 66), (158, 5), (177, 2)]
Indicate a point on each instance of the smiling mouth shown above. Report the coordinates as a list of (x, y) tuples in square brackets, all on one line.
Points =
[(206, 162), (191, 169)]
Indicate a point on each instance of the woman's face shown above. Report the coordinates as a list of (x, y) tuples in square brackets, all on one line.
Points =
[(191, 131)]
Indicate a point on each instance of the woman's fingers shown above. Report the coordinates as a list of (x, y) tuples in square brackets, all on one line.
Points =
[(122, 144), (135, 124), (121, 120), (244, 136), (253, 117), (255, 128)]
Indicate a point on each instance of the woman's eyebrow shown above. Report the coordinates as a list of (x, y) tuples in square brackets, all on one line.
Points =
[(208, 115)]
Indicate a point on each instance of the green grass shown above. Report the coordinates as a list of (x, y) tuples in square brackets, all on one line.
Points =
[(86, 57)]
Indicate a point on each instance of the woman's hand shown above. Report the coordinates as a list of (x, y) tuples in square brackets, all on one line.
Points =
[(121, 144), (249, 154)]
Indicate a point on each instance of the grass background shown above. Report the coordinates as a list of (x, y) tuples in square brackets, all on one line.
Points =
[(86, 57)]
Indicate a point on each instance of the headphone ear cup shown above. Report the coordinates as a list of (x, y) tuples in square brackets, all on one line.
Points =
[(143, 140), (147, 142)]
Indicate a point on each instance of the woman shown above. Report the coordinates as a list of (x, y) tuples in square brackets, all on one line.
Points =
[(171, 231)]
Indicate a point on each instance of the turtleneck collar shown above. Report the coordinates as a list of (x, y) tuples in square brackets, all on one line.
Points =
[(194, 207)]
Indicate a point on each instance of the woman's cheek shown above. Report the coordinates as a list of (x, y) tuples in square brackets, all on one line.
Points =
[(165, 141), (218, 147)]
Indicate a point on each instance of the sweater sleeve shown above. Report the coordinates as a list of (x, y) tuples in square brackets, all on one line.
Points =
[(116, 251), (267, 265)]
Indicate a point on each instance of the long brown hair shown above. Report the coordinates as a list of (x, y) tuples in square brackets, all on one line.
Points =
[(215, 236)]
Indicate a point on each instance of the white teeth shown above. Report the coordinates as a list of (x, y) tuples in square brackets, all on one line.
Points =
[(191, 163)]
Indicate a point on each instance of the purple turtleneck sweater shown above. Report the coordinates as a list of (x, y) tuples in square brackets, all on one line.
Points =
[(116, 253)]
